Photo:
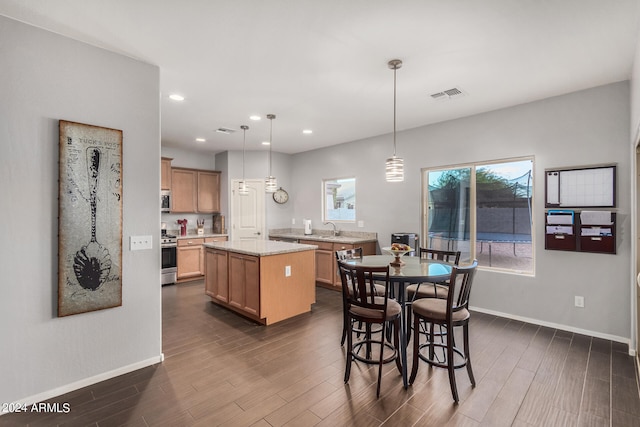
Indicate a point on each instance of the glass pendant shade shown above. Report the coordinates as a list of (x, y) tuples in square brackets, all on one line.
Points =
[(271, 184), (395, 169)]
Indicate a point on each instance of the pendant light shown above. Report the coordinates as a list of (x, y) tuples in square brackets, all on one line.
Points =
[(242, 185), (394, 164), (271, 185)]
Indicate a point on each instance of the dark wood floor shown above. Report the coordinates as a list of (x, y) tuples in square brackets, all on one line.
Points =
[(220, 369)]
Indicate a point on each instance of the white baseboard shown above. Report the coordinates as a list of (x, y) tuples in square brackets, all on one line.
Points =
[(609, 337), (27, 401)]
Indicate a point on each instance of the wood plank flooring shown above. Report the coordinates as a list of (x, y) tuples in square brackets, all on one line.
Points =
[(223, 370)]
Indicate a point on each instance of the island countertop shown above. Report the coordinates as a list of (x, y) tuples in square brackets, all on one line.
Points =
[(260, 247)]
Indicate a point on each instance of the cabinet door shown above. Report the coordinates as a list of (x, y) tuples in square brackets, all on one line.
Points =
[(325, 266), (165, 168), (190, 258), (244, 283), (208, 192), (183, 190), (216, 277)]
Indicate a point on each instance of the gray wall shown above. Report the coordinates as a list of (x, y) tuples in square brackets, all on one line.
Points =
[(581, 128), (44, 78)]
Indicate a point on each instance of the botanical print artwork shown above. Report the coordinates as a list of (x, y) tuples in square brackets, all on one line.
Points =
[(90, 218)]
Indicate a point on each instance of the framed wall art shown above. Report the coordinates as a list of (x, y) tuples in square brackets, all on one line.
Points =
[(89, 218)]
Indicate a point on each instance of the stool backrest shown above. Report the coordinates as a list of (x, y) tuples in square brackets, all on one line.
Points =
[(358, 289), (447, 256), (460, 283)]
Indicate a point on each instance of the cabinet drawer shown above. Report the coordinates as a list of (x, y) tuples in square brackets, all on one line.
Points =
[(342, 246), (215, 239), (322, 246), (190, 242)]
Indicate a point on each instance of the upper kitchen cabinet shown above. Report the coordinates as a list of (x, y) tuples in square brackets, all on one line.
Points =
[(208, 191), (195, 191), (165, 168)]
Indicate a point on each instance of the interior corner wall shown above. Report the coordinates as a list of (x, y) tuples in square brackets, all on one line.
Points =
[(580, 128), (45, 78)]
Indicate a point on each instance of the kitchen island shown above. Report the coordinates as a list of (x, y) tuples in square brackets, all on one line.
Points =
[(263, 280)]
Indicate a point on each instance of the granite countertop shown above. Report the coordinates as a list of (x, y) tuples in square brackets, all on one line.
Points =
[(260, 247), (345, 237)]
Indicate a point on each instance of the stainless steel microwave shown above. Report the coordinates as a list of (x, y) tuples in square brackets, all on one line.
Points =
[(165, 201)]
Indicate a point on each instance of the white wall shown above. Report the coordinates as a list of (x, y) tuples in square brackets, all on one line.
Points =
[(581, 128), (44, 78)]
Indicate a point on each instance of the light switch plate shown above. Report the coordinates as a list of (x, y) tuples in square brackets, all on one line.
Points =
[(138, 243), (287, 271)]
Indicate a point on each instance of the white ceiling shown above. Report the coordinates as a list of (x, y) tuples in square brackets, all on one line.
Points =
[(322, 64)]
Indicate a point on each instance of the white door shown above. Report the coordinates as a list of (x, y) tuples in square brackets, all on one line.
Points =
[(247, 212)]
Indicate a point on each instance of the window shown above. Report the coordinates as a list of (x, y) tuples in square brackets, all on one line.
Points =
[(484, 211), (339, 199)]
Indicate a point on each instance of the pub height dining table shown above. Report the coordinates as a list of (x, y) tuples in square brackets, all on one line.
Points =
[(413, 270)]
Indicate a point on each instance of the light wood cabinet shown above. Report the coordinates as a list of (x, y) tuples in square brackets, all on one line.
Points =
[(208, 192), (258, 286), (191, 262), (216, 278), (165, 173), (184, 185), (195, 191), (244, 283), (326, 266)]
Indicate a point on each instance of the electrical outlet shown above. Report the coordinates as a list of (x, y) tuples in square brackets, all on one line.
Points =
[(287, 271), (361, 224), (293, 221), (579, 301), (138, 243)]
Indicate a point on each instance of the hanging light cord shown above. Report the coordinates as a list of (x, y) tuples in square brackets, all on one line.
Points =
[(244, 143), (395, 68)]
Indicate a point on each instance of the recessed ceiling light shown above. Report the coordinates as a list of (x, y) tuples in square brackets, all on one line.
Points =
[(266, 143), (176, 97), (200, 139), (307, 131), (255, 117)]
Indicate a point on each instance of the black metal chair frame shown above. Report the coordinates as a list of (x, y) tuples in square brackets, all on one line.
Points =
[(459, 283), (363, 305)]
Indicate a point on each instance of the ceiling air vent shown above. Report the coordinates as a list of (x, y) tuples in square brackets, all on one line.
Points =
[(447, 94), (226, 131)]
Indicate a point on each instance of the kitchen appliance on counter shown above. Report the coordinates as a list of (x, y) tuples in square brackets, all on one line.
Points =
[(411, 239), (169, 247), (218, 224), (165, 201), (307, 227)]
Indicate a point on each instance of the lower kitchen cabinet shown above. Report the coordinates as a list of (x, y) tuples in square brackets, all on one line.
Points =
[(266, 286), (216, 277), (191, 265), (244, 283), (326, 266)]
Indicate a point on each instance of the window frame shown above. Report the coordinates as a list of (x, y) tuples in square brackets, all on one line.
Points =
[(424, 215), (324, 204)]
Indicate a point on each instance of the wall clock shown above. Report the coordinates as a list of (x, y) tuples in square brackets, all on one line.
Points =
[(280, 196)]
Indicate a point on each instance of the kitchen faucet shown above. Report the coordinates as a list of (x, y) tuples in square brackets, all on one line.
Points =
[(335, 230)]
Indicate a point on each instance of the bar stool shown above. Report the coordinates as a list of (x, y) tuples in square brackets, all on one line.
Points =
[(363, 305), (449, 313)]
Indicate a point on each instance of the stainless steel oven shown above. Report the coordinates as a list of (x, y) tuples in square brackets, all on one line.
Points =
[(169, 246)]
